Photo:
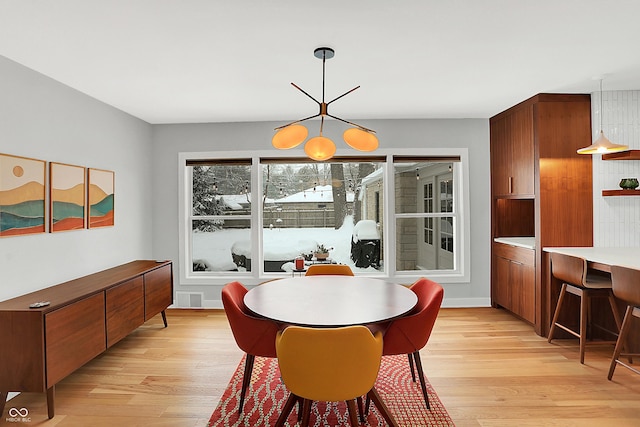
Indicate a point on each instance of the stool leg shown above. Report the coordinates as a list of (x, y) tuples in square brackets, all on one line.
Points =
[(614, 310), (584, 321), (624, 330), (556, 314)]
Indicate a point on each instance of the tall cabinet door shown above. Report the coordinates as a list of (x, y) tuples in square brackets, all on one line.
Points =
[(512, 154), (522, 165)]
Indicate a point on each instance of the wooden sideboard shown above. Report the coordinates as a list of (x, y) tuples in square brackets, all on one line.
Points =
[(41, 346)]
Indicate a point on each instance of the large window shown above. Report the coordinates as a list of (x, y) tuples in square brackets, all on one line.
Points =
[(382, 216)]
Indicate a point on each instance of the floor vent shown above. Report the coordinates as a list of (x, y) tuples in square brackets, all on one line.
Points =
[(189, 299)]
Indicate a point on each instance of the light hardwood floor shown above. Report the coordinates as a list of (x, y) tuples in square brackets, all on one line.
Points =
[(488, 368)]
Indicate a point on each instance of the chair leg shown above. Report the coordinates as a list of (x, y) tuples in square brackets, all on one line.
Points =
[(585, 302), (286, 410), (556, 314), (306, 413), (413, 375), (246, 379), (382, 408), (360, 409), (614, 310), (624, 330), (353, 413), (423, 384)]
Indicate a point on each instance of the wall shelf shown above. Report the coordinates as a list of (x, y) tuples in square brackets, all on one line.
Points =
[(623, 155), (621, 192)]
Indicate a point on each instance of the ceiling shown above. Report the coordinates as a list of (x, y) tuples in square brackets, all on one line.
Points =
[(189, 61)]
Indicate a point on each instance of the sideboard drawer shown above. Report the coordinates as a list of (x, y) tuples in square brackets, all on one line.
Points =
[(125, 309)]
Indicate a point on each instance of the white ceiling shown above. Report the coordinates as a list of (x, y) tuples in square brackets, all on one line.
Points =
[(187, 61)]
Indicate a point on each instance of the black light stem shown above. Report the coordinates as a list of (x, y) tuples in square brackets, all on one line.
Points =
[(324, 59), (600, 105)]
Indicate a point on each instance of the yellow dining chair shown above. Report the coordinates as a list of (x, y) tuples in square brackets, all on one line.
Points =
[(329, 364), (329, 269)]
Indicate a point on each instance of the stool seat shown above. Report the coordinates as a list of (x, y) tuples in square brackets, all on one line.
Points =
[(572, 271)]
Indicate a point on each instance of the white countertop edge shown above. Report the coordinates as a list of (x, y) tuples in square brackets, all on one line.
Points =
[(522, 242), (624, 256)]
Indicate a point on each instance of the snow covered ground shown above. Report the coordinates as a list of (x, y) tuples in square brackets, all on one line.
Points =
[(214, 248)]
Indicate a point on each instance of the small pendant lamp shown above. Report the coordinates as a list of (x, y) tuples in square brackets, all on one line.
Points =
[(602, 145)]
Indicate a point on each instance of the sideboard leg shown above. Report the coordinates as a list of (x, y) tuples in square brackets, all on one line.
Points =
[(164, 318), (51, 392), (3, 401)]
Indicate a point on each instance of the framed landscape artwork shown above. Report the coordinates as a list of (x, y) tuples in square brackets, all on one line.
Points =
[(22, 195), (101, 198), (67, 197)]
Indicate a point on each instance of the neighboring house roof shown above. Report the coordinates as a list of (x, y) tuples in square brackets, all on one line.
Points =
[(238, 201), (321, 194)]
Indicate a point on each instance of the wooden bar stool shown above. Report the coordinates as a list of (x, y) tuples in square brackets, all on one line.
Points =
[(572, 271), (626, 286)]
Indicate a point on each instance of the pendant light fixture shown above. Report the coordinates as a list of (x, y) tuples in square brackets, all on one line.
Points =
[(320, 147), (602, 145)]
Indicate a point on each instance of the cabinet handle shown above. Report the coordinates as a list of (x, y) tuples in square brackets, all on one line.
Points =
[(510, 184)]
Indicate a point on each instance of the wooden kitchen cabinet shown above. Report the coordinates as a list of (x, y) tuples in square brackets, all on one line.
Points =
[(514, 280), (512, 154), (41, 346), (540, 188)]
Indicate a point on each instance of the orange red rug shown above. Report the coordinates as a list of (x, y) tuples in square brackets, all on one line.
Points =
[(267, 394)]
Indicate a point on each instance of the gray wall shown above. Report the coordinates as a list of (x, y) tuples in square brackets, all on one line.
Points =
[(43, 119), (169, 140)]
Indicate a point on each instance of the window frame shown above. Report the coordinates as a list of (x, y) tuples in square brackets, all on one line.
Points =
[(460, 273)]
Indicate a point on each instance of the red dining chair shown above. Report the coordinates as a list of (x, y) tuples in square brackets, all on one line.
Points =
[(254, 336), (408, 334)]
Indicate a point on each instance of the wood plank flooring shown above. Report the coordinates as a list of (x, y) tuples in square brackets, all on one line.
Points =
[(488, 368)]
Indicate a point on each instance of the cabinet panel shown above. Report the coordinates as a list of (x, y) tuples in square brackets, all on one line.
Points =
[(523, 296), (501, 282), (75, 334), (124, 309), (158, 290)]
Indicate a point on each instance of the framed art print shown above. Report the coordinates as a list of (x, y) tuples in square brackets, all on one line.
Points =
[(67, 197), (22, 195), (101, 194)]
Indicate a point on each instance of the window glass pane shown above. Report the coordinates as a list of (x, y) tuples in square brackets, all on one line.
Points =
[(221, 190), (221, 245), (335, 205), (414, 185), (417, 250)]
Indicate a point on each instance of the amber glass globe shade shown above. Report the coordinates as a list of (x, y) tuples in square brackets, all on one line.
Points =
[(320, 148), (359, 139), (289, 137)]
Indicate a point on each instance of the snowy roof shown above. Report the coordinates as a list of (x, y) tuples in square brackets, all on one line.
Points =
[(322, 193), (238, 201)]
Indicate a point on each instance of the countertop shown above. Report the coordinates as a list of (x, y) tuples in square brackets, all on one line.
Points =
[(523, 242), (626, 257)]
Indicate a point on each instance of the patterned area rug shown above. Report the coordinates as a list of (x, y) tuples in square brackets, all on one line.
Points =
[(266, 397)]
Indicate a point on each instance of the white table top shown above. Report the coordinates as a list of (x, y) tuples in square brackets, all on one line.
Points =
[(626, 257), (330, 301)]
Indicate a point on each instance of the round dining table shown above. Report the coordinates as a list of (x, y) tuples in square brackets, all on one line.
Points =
[(330, 301)]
